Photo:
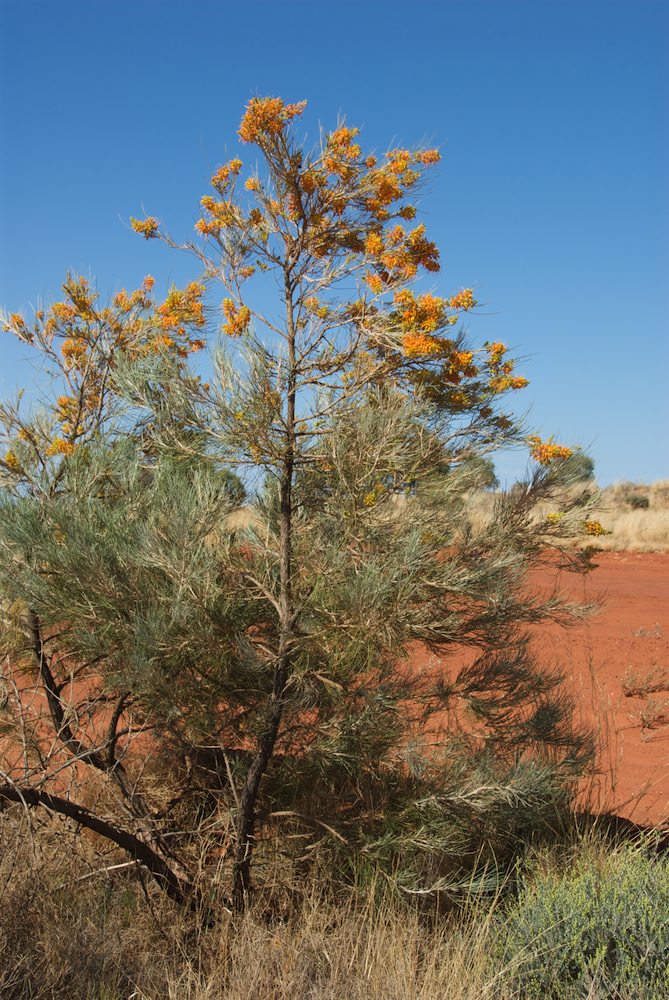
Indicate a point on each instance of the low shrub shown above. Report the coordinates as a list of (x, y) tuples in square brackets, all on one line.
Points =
[(600, 930)]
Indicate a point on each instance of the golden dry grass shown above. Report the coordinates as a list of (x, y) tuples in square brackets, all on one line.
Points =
[(71, 933)]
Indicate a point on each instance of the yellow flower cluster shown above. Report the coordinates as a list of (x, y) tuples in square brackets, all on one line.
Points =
[(315, 306), (460, 365), (12, 462), (60, 447), (501, 383), (148, 228), (594, 528), (374, 495)]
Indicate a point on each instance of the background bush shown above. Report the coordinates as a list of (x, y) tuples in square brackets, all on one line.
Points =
[(600, 930)]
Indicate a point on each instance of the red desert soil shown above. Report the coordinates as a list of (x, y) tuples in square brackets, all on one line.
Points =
[(623, 646)]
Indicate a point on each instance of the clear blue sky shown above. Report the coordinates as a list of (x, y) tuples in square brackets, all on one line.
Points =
[(552, 199)]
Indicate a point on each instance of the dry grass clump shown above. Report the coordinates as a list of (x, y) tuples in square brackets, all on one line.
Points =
[(636, 517), (67, 936), (71, 931)]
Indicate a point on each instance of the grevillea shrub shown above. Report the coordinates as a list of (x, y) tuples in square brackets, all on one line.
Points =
[(211, 675)]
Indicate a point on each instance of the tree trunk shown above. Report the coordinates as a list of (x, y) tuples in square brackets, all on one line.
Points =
[(246, 817)]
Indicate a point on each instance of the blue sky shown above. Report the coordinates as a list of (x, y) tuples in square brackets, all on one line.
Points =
[(551, 201)]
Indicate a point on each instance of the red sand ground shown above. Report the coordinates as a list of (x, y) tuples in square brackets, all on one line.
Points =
[(626, 639), (629, 635)]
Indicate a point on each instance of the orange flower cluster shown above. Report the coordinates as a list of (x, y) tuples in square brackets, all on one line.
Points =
[(422, 345), (69, 413), (375, 283), (315, 306), (544, 452), (496, 352), (60, 447), (252, 184), (265, 117), (501, 377), (374, 245), (501, 383), (126, 302), (463, 301), (341, 140), (400, 254), (62, 312), (237, 318), (425, 313), (460, 365), (182, 308), (148, 228), (224, 174), (594, 528), (223, 215), (73, 351)]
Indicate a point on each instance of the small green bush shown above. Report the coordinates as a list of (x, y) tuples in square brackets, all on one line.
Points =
[(598, 931)]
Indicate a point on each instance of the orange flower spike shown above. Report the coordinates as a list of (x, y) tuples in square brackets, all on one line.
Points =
[(464, 300), (544, 452), (12, 462), (421, 344), (375, 282), (399, 160), (148, 228), (265, 117), (236, 319), (62, 312), (60, 447), (374, 245), (252, 184), (225, 173), (72, 349), (16, 321), (428, 157)]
